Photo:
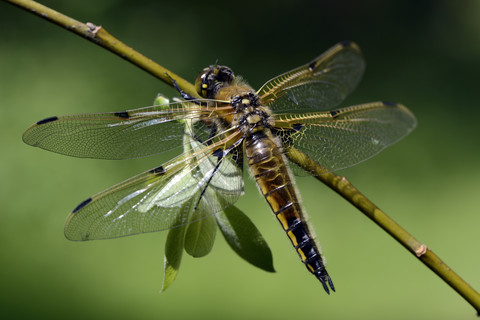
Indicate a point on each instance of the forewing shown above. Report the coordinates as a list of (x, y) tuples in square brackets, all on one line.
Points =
[(186, 189), (344, 137), (119, 135), (319, 85)]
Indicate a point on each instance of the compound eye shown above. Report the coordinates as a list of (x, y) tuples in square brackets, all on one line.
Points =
[(201, 85), (212, 79), (224, 75)]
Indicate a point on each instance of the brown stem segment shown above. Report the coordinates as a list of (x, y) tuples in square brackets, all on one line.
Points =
[(344, 188)]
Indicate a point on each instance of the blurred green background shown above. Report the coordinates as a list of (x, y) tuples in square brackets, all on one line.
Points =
[(425, 55)]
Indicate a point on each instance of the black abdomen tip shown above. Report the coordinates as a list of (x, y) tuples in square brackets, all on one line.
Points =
[(326, 281)]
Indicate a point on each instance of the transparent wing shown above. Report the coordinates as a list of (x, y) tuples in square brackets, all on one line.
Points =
[(318, 85), (344, 137), (119, 135), (202, 181)]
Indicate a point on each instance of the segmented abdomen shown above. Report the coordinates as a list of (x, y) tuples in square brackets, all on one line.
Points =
[(268, 166)]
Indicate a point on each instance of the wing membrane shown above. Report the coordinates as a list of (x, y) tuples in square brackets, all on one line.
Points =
[(119, 135), (344, 137), (186, 189), (319, 85)]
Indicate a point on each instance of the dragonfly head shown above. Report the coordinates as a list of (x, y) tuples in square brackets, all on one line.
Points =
[(212, 79)]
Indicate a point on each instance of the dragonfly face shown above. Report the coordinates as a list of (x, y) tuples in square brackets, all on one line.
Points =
[(211, 79), (295, 111)]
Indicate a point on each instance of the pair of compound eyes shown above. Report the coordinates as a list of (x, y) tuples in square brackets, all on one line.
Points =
[(211, 79)]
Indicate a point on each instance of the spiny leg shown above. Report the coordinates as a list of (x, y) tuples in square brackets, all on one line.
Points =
[(219, 153)]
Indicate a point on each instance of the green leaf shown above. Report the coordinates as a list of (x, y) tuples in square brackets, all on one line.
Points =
[(173, 255), (200, 237), (244, 238)]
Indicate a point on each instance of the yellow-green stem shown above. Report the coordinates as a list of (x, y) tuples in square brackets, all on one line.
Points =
[(100, 36), (344, 188)]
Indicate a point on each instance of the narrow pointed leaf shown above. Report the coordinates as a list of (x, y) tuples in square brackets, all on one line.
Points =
[(173, 255)]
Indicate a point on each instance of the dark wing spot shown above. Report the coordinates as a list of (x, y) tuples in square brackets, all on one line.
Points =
[(345, 43), (297, 127), (81, 205), (389, 104), (311, 66), (158, 170), (123, 114), (334, 114), (218, 153), (47, 120)]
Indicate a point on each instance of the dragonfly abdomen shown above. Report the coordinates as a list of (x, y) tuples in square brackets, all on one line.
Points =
[(268, 166)]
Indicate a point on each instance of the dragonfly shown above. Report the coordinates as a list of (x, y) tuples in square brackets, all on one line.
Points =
[(229, 125)]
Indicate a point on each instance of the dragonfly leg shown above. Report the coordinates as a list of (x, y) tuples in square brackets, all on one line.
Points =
[(219, 153), (184, 95)]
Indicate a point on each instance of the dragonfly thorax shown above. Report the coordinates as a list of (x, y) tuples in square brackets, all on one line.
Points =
[(220, 83), (250, 115)]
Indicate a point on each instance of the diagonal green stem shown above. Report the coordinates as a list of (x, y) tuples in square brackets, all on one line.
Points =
[(100, 36), (344, 188), (339, 184)]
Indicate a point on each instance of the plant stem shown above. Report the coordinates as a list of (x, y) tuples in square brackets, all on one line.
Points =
[(101, 37), (339, 184), (344, 188)]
